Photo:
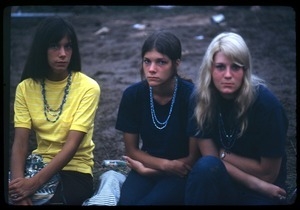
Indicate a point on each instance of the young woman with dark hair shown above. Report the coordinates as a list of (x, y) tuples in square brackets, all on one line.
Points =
[(58, 102), (155, 111)]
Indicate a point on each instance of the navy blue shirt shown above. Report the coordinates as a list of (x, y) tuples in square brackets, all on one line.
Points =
[(266, 132), (134, 116)]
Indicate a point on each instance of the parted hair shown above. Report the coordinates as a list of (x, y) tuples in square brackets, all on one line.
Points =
[(50, 30), (234, 47), (165, 43)]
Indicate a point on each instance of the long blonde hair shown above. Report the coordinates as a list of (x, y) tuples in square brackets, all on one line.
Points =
[(234, 47)]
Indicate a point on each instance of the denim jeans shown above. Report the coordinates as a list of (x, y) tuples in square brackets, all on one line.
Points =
[(158, 190), (209, 184)]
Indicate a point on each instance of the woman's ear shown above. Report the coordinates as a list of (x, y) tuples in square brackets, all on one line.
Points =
[(178, 62)]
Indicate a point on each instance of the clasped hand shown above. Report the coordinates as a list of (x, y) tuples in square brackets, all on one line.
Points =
[(172, 167), (20, 189)]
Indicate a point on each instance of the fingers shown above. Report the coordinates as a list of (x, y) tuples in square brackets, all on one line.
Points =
[(183, 173), (125, 157), (15, 197), (281, 197), (281, 194)]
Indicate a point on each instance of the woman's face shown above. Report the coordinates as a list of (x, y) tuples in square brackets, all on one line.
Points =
[(157, 68), (59, 56), (226, 75)]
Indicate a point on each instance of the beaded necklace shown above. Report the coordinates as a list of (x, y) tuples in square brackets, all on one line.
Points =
[(55, 112), (227, 139), (161, 125)]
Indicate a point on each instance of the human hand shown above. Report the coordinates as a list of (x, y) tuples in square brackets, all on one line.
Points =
[(273, 191), (177, 167), (20, 189), (134, 164), (140, 168), (25, 202)]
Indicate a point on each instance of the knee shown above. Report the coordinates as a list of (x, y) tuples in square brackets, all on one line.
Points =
[(208, 163)]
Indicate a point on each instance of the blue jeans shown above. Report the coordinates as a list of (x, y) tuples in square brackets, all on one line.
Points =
[(210, 184), (157, 190)]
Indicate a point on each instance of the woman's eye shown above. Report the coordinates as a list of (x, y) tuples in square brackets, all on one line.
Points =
[(235, 67), (162, 62), (220, 67), (53, 46), (68, 46), (146, 61)]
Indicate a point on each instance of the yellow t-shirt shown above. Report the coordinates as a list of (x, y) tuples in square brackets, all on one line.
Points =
[(78, 114)]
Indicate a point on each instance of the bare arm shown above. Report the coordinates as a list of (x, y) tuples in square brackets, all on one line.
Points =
[(18, 157), (153, 164), (207, 147), (194, 152), (266, 169), (26, 187), (140, 168), (19, 152), (254, 183)]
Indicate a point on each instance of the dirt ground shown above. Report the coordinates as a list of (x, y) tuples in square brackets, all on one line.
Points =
[(112, 55)]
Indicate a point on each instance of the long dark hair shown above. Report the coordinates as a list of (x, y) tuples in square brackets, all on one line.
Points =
[(50, 30), (165, 43)]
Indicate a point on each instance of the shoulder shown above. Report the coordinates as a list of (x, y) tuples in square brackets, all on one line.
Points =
[(80, 78), (266, 100), (28, 83), (185, 87), (268, 106), (265, 95), (133, 96), (135, 88)]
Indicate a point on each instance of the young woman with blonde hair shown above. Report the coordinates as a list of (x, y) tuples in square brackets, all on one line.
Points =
[(242, 129)]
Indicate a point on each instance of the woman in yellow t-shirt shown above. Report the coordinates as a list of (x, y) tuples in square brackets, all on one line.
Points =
[(58, 102)]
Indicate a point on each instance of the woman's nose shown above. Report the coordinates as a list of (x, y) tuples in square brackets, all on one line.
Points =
[(152, 67), (62, 51)]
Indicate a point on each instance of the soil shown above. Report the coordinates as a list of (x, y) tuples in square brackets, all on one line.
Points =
[(111, 56)]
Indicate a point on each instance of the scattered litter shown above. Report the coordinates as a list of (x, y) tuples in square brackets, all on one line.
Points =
[(165, 7), (200, 37), (20, 14), (218, 18), (255, 8), (139, 26), (114, 163), (219, 8), (185, 52), (102, 30)]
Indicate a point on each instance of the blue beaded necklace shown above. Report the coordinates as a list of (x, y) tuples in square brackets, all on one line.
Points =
[(161, 125), (55, 112)]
